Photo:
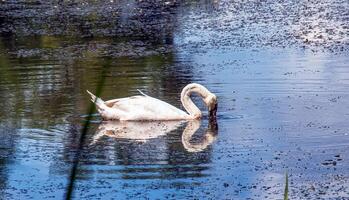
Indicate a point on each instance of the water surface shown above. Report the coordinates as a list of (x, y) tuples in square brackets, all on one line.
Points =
[(282, 82)]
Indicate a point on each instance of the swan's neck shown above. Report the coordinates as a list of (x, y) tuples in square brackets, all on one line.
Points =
[(188, 104)]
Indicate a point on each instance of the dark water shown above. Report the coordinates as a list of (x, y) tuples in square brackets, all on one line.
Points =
[(280, 71)]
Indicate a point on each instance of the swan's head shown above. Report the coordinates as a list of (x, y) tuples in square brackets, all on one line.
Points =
[(211, 102)]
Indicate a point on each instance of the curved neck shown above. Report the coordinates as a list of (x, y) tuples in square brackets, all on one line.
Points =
[(188, 104)]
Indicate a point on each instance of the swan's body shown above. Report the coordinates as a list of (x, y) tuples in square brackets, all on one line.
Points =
[(137, 108)]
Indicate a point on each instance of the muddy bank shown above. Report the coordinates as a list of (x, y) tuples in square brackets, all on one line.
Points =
[(138, 26)]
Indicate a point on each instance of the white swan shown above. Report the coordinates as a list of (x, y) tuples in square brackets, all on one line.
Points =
[(144, 107)]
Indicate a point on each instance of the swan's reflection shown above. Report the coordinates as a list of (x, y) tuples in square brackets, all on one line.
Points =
[(143, 131), (207, 139)]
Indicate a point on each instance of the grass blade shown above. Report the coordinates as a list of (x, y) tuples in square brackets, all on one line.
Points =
[(74, 169), (286, 187)]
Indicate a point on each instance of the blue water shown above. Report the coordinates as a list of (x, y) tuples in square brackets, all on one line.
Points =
[(282, 107)]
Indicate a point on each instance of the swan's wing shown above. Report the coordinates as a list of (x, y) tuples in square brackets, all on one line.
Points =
[(147, 108), (110, 103)]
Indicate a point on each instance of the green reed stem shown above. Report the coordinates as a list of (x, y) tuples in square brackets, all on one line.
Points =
[(73, 172)]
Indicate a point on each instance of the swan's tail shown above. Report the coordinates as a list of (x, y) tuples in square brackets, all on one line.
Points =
[(98, 101)]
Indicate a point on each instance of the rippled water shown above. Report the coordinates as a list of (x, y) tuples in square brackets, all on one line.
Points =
[(283, 100)]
